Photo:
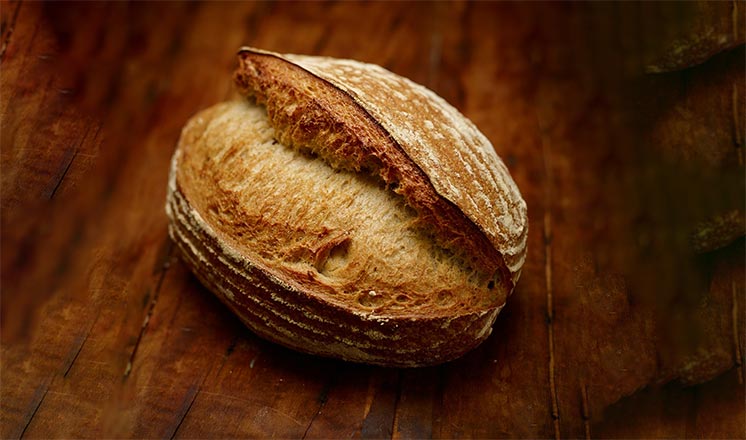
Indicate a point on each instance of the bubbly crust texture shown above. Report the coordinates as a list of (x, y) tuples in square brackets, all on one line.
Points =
[(361, 116)]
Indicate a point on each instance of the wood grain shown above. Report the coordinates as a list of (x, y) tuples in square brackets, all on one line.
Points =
[(618, 328)]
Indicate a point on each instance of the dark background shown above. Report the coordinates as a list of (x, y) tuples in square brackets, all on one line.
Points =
[(622, 124)]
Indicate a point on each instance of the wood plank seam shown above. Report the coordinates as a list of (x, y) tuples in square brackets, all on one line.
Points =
[(151, 309), (380, 413), (554, 402), (735, 18), (395, 419), (440, 399), (585, 410), (9, 34), (736, 340), (737, 140)]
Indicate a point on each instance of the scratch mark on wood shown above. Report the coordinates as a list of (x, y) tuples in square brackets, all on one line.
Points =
[(153, 302), (585, 410), (36, 401), (549, 290), (736, 340), (9, 31), (186, 406)]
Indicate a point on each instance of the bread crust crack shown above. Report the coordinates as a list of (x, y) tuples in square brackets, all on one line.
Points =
[(310, 113)]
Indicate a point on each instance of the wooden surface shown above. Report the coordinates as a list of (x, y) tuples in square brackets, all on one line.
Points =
[(617, 328)]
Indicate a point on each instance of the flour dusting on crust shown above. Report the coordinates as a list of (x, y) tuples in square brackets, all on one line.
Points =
[(459, 160)]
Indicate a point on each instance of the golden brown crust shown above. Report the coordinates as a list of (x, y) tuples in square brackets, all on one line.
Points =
[(317, 247), (460, 188), (336, 234)]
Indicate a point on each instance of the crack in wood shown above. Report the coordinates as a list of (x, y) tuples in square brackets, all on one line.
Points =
[(151, 309), (322, 399), (736, 340), (737, 140), (39, 395), (189, 400), (80, 341), (9, 33), (64, 173), (585, 410), (77, 353), (186, 406), (71, 160), (547, 232)]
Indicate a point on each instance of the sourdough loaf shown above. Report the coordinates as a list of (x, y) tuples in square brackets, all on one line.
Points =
[(345, 211)]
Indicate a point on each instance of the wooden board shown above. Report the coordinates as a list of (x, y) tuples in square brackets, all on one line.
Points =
[(617, 328)]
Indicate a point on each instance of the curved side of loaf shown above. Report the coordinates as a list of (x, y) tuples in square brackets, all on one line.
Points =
[(279, 312), (289, 297), (359, 116)]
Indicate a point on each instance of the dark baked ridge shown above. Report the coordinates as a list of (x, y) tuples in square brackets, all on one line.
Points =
[(273, 270), (361, 117)]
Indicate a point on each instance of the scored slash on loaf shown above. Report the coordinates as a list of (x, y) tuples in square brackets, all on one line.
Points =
[(345, 211)]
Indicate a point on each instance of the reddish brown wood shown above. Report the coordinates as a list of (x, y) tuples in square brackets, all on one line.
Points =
[(106, 334)]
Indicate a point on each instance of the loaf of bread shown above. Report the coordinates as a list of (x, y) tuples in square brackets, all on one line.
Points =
[(345, 211)]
